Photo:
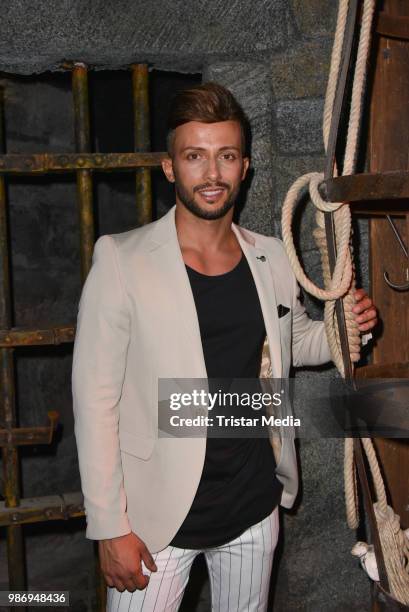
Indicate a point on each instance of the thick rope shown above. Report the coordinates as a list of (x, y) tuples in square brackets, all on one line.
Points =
[(341, 284), (334, 69)]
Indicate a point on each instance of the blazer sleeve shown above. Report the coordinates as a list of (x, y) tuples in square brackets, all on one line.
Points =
[(99, 360), (309, 344)]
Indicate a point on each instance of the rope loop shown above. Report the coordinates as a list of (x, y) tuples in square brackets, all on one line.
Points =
[(318, 201), (341, 279)]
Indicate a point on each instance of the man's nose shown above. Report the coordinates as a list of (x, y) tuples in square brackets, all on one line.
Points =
[(213, 169)]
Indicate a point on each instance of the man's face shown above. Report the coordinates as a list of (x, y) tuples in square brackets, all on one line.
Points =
[(207, 167)]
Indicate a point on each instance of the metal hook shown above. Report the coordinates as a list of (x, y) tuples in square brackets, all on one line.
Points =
[(404, 286)]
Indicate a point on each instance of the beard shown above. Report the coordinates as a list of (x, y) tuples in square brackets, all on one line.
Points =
[(210, 215)]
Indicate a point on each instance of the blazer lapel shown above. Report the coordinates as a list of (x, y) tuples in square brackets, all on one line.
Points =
[(261, 268), (166, 253)]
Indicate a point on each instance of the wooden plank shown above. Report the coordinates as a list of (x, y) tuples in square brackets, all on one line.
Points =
[(388, 151), (358, 187), (393, 453), (389, 144), (384, 370), (380, 207), (392, 26)]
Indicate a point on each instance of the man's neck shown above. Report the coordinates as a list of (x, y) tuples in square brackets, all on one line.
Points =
[(210, 246), (203, 234)]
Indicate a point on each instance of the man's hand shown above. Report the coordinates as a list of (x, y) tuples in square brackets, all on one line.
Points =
[(366, 310), (120, 560)]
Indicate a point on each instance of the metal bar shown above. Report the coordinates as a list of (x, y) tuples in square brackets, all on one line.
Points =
[(41, 163), (358, 187), (86, 219), (84, 179), (35, 337), (140, 91), (23, 436), (5, 302), (340, 97), (340, 100), (46, 508), (15, 543)]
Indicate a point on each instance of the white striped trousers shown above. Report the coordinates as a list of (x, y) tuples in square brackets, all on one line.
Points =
[(239, 574)]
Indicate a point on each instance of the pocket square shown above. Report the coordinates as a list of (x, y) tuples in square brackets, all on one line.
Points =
[(282, 310)]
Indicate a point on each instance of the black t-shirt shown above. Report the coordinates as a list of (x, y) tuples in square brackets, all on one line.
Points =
[(238, 486)]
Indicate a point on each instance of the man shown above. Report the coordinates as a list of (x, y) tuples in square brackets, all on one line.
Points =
[(189, 296)]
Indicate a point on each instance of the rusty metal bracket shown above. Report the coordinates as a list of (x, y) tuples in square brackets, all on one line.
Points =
[(25, 436), (17, 336), (41, 163), (39, 509)]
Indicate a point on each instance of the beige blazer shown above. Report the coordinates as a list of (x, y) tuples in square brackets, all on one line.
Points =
[(137, 322)]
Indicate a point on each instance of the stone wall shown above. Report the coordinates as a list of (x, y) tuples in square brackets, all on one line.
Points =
[(274, 55)]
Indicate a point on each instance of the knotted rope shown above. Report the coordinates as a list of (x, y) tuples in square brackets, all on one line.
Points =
[(341, 285)]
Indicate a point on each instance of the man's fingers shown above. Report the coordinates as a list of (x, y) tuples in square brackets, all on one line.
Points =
[(109, 580), (118, 584), (148, 560), (140, 580), (364, 304), (136, 581), (129, 583), (367, 320), (359, 294), (121, 562), (367, 326), (114, 581)]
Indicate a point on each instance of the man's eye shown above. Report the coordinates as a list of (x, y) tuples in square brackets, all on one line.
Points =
[(193, 156), (229, 156)]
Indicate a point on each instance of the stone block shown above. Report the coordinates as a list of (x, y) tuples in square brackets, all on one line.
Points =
[(298, 127), (314, 17), (257, 212), (301, 71), (250, 83), (287, 169), (171, 35)]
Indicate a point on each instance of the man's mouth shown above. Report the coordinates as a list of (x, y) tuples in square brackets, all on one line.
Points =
[(211, 195)]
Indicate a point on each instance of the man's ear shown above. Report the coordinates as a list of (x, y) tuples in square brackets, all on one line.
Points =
[(246, 164), (167, 167)]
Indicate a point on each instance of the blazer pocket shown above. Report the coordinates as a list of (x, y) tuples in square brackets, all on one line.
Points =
[(136, 446), (282, 310)]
